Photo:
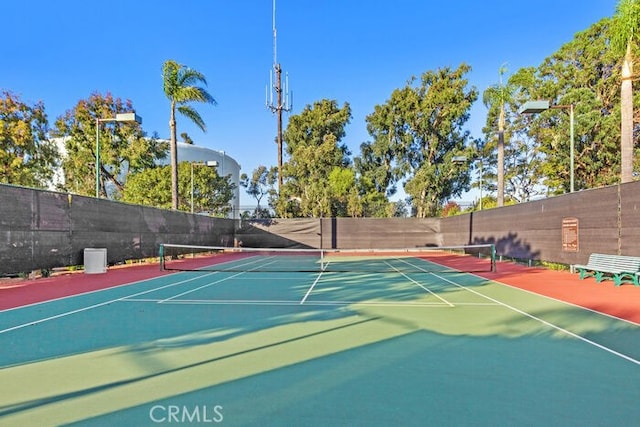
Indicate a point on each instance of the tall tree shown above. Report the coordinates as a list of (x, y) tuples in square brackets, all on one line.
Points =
[(313, 144), (27, 157), (345, 199), (124, 148), (376, 162), (626, 23), (582, 72), (181, 88), (523, 176), (496, 97), (419, 131), (260, 184)]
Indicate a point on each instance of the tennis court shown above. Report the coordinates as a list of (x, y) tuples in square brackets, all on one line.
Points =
[(349, 339)]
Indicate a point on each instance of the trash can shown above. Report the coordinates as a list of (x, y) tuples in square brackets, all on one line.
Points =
[(95, 260)]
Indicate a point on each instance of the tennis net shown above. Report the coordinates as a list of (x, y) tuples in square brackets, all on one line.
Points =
[(469, 258)]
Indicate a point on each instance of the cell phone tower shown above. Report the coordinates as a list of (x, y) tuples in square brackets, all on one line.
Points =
[(283, 101)]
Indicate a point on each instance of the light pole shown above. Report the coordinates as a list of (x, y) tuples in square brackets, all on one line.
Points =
[(480, 182), (120, 117), (532, 107), (208, 163)]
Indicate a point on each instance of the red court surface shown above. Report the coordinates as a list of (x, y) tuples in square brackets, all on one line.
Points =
[(17, 292), (622, 302)]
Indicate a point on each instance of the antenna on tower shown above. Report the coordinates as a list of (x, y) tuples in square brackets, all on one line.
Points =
[(283, 101)]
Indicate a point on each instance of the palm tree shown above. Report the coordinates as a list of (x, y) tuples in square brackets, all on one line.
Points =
[(180, 87), (626, 23), (499, 95)]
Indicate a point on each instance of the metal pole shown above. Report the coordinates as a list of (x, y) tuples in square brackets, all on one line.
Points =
[(97, 158), (572, 147), (279, 112), (571, 144), (191, 187), (480, 184)]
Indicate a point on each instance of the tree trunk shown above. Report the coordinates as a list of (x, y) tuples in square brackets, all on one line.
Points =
[(174, 158), (501, 157), (420, 211), (626, 113)]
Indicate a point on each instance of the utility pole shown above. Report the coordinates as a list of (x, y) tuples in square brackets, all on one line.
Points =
[(282, 101)]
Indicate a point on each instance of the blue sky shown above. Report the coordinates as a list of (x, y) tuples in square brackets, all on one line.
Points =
[(349, 50)]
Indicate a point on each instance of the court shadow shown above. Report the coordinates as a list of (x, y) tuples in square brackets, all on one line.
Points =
[(419, 378), (510, 246)]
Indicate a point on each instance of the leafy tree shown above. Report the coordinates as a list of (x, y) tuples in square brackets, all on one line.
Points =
[(123, 147), (377, 160), (375, 178), (485, 202), (624, 42), (582, 72), (211, 192), (399, 208), (259, 185), (482, 165), (490, 202), (523, 164), (26, 156), (346, 200), (418, 132), (373, 202), (450, 209), (313, 145), (180, 87)]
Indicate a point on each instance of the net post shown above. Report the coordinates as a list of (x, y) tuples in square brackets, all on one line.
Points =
[(161, 254), (493, 258)]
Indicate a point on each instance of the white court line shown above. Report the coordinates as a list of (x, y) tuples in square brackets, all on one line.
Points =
[(544, 322), (418, 283), (213, 283), (119, 286), (444, 301), (302, 301), (611, 316), (90, 307), (531, 316), (297, 303), (197, 289)]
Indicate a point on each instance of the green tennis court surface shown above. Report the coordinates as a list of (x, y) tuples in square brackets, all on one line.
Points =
[(424, 346)]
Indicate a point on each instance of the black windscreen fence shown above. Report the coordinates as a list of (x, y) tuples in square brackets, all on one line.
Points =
[(43, 229), (339, 233), (563, 229)]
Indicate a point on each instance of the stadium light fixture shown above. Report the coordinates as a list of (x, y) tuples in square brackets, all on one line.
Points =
[(120, 117), (208, 163), (534, 107)]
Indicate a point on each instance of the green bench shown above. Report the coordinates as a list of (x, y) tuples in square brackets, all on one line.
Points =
[(620, 268)]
